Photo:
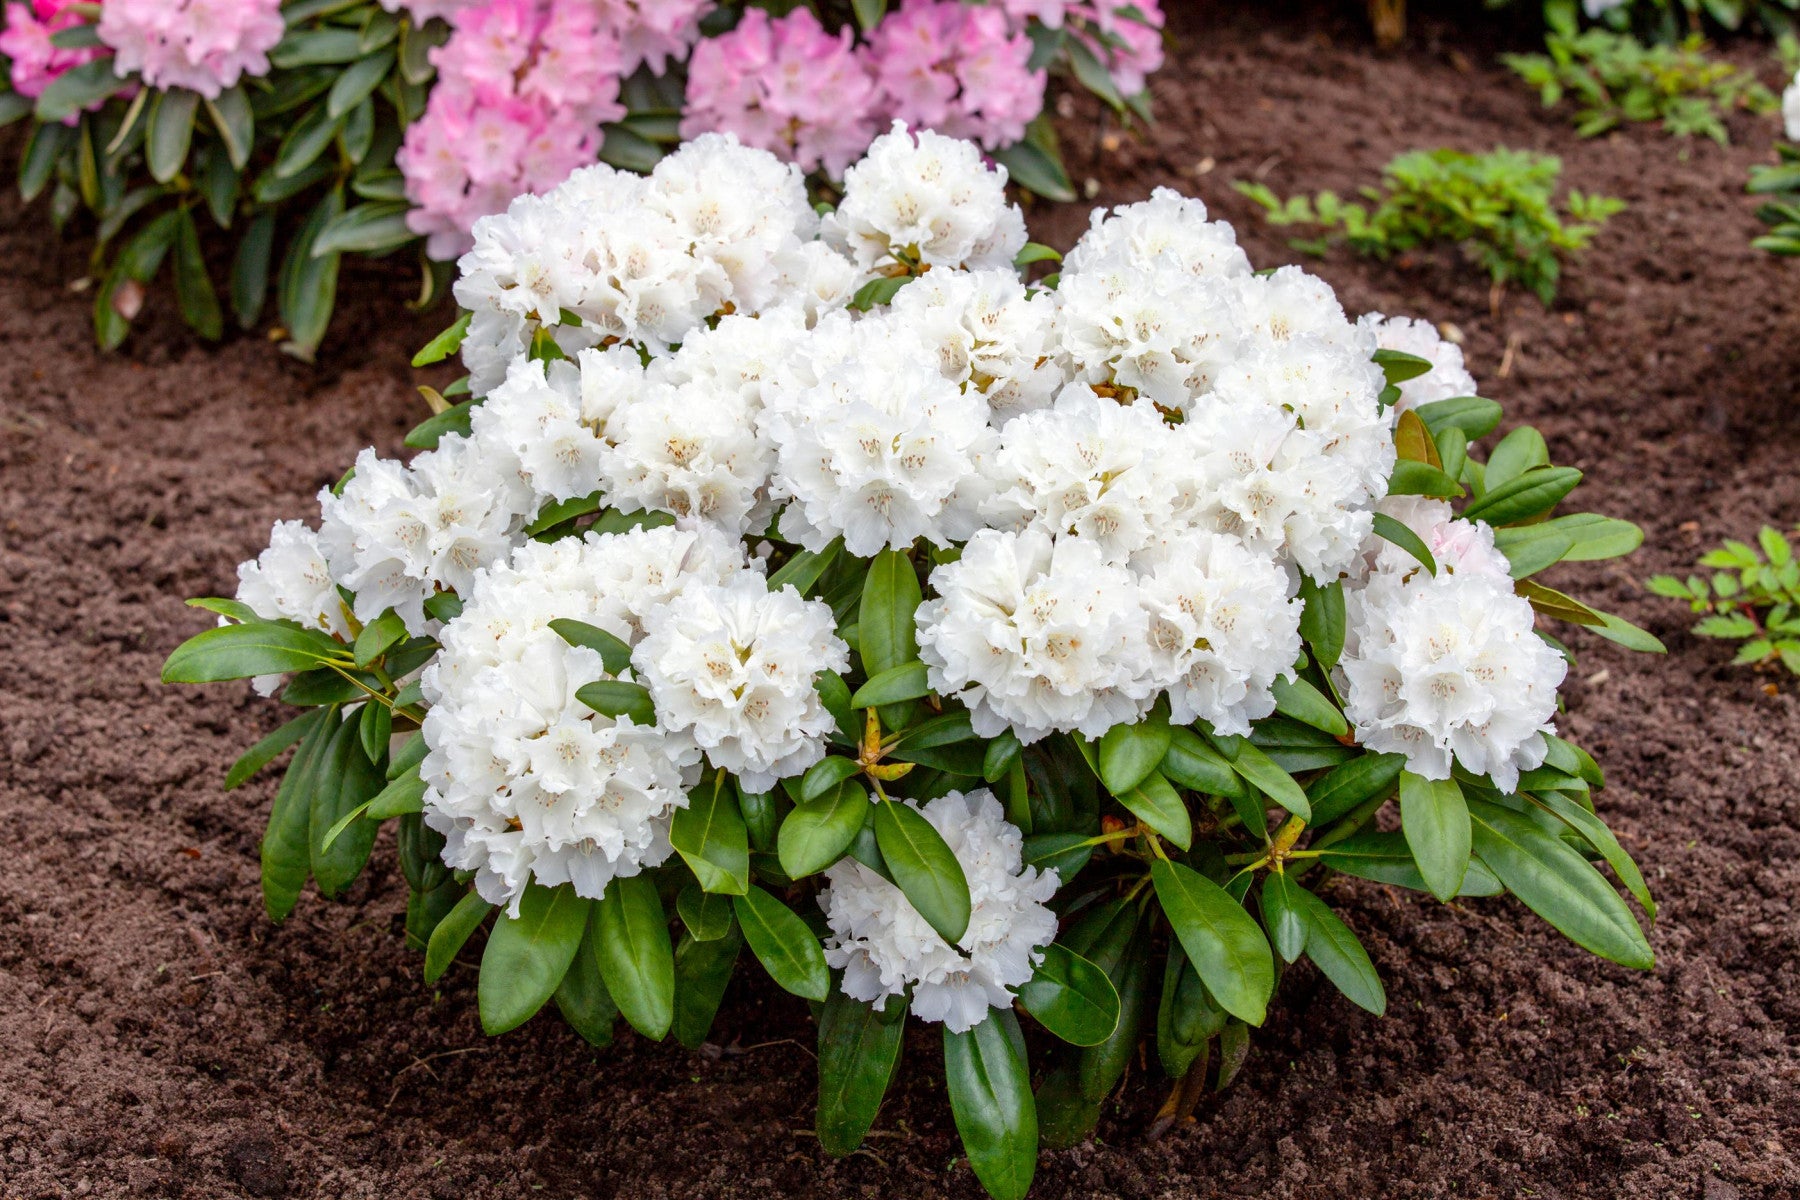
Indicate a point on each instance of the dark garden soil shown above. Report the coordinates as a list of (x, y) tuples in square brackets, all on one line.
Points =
[(158, 1037)]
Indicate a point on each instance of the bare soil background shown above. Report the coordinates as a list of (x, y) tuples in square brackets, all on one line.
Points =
[(158, 1037)]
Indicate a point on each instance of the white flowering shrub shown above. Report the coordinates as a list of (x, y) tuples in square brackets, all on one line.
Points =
[(958, 644)]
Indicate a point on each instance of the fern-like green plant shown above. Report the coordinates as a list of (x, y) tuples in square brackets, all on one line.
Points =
[(1614, 79), (1753, 596), (1500, 207)]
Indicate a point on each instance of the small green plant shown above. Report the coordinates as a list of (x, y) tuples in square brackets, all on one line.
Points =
[(1616, 79), (1752, 597), (1500, 207), (1780, 182)]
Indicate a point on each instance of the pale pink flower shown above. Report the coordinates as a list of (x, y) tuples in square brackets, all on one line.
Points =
[(1126, 35), (959, 69), (203, 45), (26, 41)]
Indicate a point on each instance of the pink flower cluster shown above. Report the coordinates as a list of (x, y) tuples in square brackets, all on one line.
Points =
[(204, 45), (959, 69), (1126, 35), (26, 41), (785, 86), (424, 10)]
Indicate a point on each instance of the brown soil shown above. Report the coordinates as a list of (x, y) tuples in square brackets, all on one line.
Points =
[(159, 1038)]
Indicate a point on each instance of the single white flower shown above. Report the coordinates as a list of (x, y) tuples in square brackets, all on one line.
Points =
[(1167, 230)]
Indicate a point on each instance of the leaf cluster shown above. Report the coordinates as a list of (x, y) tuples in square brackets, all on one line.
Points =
[(1752, 596), (1194, 867), (1780, 182), (1672, 20), (1498, 207), (1614, 79)]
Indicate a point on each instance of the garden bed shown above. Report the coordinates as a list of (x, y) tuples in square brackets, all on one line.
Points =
[(159, 1037)]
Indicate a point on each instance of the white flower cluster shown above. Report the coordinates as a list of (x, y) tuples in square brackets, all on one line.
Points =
[(1450, 664), (884, 946), (1125, 478)]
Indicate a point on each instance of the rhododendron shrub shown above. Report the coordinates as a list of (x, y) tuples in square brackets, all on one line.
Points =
[(825, 594), (316, 128)]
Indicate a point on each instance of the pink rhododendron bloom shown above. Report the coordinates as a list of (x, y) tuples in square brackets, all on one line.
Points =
[(26, 41), (786, 86), (204, 45), (653, 32), (959, 69), (1049, 12), (1129, 38), (523, 89), (425, 10)]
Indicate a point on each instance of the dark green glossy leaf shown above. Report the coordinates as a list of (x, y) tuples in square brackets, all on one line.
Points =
[(619, 698), (1129, 753), (991, 1100), (265, 751), (1071, 997), (1337, 953), (1157, 804), (636, 958), (286, 857), (707, 915), (1224, 942), (702, 973), (787, 949), (924, 868), (858, 1056), (710, 836), (1436, 823), (528, 955), (1281, 915), (582, 998), (818, 832), (241, 651), (452, 933)]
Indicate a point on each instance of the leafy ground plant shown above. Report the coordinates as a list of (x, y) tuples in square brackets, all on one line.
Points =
[(1613, 78), (1752, 596), (1499, 207), (1780, 183), (814, 593)]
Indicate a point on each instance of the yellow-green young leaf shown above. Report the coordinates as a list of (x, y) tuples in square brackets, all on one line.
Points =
[(444, 344), (784, 945), (1559, 885), (858, 1053), (1435, 820), (990, 1098), (452, 933), (1225, 944), (1071, 997), (528, 955), (922, 866), (1337, 953), (1414, 442), (636, 957)]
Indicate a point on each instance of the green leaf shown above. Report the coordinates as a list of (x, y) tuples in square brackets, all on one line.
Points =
[(452, 933), (1618, 629), (1196, 766), (1281, 915), (787, 949), (706, 915), (803, 570), (1071, 997), (1558, 884), (702, 973), (824, 776), (1037, 169), (309, 138), (357, 81), (241, 651), (1035, 252), (868, 16), (403, 795), (1001, 753), (893, 686), (286, 858), (171, 132), (235, 123), (636, 958), (250, 270), (1385, 858), (877, 292), (377, 637), (1531, 494), (582, 998), (1597, 835), (1224, 942), (1346, 787), (264, 752), (308, 289), (890, 598), (372, 228), (528, 955), (351, 781), (1338, 954), (1322, 620), (710, 836), (1412, 478), (444, 344), (1393, 530), (193, 289), (38, 164), (427, 433), (76, 89), (924, 868), (1156, 803), (1435, 820), (407, 759), (818, 832), (1129, 753), (619, 698), (991, 1100), (1064, 853), (1400, 366), (1262, 772), (1532, 548), (1515, 454), (859, 1053), (1303, 702)]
